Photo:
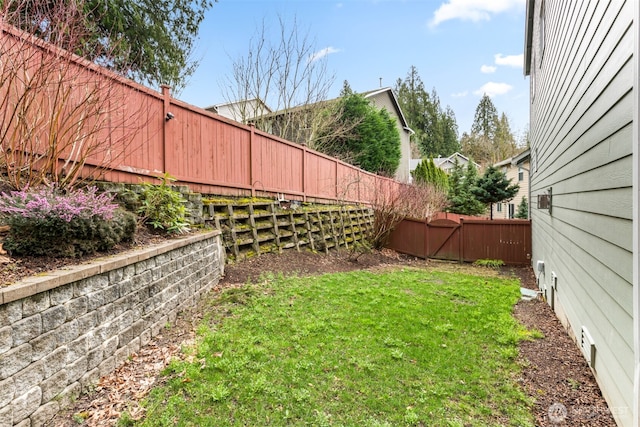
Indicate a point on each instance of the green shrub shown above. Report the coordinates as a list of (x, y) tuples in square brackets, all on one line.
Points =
[(162, 207), (46, 221)]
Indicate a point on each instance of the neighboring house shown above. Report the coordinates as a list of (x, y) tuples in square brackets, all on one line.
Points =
[(445, 163), (240, 111), (583, 63), (516, 170), (385, 98)]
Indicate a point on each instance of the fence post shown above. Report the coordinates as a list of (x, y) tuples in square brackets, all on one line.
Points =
[(252, 129), (305, 153), (461, 241), (425, 245), (335, 187), (166, 98)]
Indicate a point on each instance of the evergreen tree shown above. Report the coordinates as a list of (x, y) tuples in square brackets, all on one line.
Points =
[(504, 143), (494, 187), (419, 174), (485, 121), (476, 146), (389, 145), (428, 173), (147, 40), (462, 180), (413, 100), (436, 130), (374, 144), (523, 209), (491, 139), (450, 141)]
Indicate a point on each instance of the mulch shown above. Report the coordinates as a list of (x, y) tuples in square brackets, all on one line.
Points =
[(555, 374)]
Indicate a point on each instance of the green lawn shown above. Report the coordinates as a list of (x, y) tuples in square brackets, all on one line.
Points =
[(403, 347)]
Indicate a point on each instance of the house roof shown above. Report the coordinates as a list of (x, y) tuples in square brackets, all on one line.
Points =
[(504, 162), (522, 157), (439, 161), (528, 37), (396, 105), (515, 160), (214, 108), (368, 94)]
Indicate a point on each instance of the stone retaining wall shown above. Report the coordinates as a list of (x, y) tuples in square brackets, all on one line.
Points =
[(60, 332)]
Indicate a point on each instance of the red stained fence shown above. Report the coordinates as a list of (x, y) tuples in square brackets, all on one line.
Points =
[(466, 240), (207, 152), (215, 155)]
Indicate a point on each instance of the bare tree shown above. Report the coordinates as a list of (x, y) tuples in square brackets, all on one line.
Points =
[(392, 203), (282, 87), (62, 120)]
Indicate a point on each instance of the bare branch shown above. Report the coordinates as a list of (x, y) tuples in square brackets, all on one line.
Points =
[(283, 75), (392, 204), (59, 114)]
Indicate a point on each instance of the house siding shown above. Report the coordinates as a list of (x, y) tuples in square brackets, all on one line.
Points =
[(523, 191), (582, 142)]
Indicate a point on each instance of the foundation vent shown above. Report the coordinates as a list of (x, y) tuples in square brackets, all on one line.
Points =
[(588, 347), (554, 289)]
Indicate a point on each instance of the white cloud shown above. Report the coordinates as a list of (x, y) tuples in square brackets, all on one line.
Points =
[(460, 94), (322, 53), (492, 89), (515, 61), (488, 69), (473, 10)]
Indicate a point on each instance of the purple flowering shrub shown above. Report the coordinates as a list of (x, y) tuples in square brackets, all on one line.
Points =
[(46, 221), (48, 203)]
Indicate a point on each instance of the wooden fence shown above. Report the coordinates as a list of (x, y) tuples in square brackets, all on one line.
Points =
[(465, 240), (148, 133)]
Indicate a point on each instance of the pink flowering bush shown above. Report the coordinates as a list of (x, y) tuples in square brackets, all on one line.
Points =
[(47, 203), (46, 221)]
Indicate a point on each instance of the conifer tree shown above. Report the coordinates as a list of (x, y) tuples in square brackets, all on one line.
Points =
[(435, 127), (461, 198), (374, 144), (428, 173), (523, 209), (149, 41), (494, 187)]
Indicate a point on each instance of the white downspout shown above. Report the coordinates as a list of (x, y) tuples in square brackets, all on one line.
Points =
[(636, 214)]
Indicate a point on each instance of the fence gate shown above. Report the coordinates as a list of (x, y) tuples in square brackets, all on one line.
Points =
[(443, 240), (466, 240)]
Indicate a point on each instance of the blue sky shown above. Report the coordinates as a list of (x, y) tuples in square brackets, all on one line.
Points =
[(462, 48)]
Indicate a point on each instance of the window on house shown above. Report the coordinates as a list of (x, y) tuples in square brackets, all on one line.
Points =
[(520, 174), (499, 207), (512, 210)]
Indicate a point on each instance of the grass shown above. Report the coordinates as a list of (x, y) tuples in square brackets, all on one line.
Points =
[(403, 347)]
